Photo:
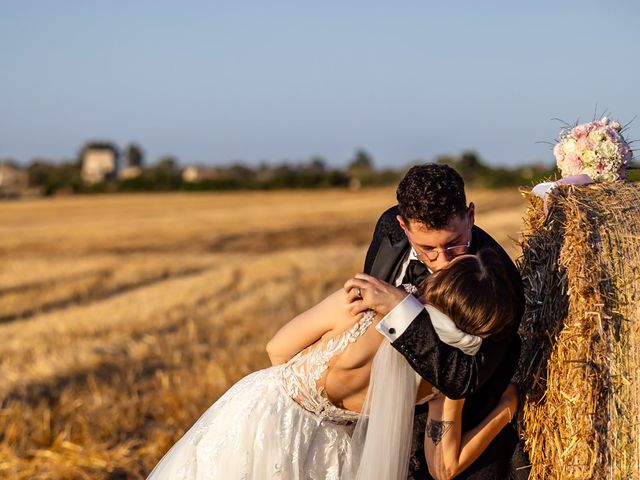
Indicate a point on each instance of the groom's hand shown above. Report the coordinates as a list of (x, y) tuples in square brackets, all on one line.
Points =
[(365, 292)]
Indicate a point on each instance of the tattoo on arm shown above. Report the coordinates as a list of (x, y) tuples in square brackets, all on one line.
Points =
[(436, 430)]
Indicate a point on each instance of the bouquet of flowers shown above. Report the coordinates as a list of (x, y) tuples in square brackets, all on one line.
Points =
[(596, 149)]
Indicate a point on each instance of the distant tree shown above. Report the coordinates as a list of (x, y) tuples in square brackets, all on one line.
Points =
[(241, 173), (318, 165), (164, 175), (167, 164), (39, 172), (264, 172), (362, 161), (53, 177), (471, 167), (12, 163), (134, 155), (468, 165), (284, 176), (447, 160), (361, 170)]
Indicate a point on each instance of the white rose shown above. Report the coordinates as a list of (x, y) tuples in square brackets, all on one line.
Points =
[(596, 135), (616, 126), (607, 149), (589, 158), (570, 146), (606, 177), (604, 120)]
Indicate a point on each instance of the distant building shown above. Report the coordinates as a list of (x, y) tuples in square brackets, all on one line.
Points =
[(194, 173), (13, 181), (128, 173), (99, 162)]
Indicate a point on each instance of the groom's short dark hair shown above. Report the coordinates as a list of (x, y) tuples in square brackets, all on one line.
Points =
[(431, 194)]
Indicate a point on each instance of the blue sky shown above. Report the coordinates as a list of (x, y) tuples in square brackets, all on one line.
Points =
[(221, 81)]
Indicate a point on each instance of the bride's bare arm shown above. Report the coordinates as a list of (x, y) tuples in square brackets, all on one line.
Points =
[(308, 327), (447, 449)]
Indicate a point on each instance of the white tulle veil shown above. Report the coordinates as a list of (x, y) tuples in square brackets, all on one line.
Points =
[(383, 435)]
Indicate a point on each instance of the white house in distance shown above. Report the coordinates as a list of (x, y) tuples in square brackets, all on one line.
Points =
[(13, 181), (99, 162), (127, 173), (197, 173)]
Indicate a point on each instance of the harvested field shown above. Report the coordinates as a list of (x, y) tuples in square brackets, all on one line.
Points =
[(123, 317)]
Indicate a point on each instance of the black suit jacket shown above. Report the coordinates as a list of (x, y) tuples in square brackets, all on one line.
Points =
[(480, 378), (454, 373)]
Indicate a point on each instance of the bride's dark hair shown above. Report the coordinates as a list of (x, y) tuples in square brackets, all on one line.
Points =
[(475, 292)]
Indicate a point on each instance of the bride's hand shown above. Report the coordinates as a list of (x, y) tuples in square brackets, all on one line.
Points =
[(365, 292)]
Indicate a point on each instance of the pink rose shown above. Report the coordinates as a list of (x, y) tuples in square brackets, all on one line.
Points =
[(558, 153), (580, 131), (601, 166), (574, 163), (584, 143)]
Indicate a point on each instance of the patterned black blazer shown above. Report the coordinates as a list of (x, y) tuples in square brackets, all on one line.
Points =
[(480, 379)]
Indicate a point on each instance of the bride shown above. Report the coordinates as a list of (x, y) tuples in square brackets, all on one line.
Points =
[(338, 401)]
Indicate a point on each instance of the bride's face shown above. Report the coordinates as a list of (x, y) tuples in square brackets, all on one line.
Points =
[(430, 243)]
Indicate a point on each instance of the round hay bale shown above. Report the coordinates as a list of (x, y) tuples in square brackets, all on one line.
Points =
[(580, 363)]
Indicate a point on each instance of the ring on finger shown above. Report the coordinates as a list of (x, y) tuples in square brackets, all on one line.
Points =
[(359, 292)]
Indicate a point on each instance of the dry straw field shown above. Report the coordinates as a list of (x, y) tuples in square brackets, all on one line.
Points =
[(123, 317)]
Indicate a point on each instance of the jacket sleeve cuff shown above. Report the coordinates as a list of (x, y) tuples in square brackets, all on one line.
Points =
[(400, 317)]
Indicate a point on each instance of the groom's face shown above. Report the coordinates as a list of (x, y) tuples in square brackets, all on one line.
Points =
[(423, 239)]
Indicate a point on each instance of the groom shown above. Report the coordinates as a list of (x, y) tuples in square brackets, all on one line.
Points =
[(430, 226)]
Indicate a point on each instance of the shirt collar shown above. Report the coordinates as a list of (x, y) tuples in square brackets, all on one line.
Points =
[(413, 256)]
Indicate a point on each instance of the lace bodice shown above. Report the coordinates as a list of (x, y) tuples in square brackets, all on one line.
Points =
[(301, 374)]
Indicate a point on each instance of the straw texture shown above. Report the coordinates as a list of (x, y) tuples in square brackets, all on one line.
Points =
[(581, 336)]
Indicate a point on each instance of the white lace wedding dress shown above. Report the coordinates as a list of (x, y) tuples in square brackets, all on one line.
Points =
[(273, 424)]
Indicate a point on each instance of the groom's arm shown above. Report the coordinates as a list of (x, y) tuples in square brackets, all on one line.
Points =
[(456, 374), (408, 327)]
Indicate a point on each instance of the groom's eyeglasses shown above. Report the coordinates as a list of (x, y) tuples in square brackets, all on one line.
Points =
[(432, 254), (452, 251)]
